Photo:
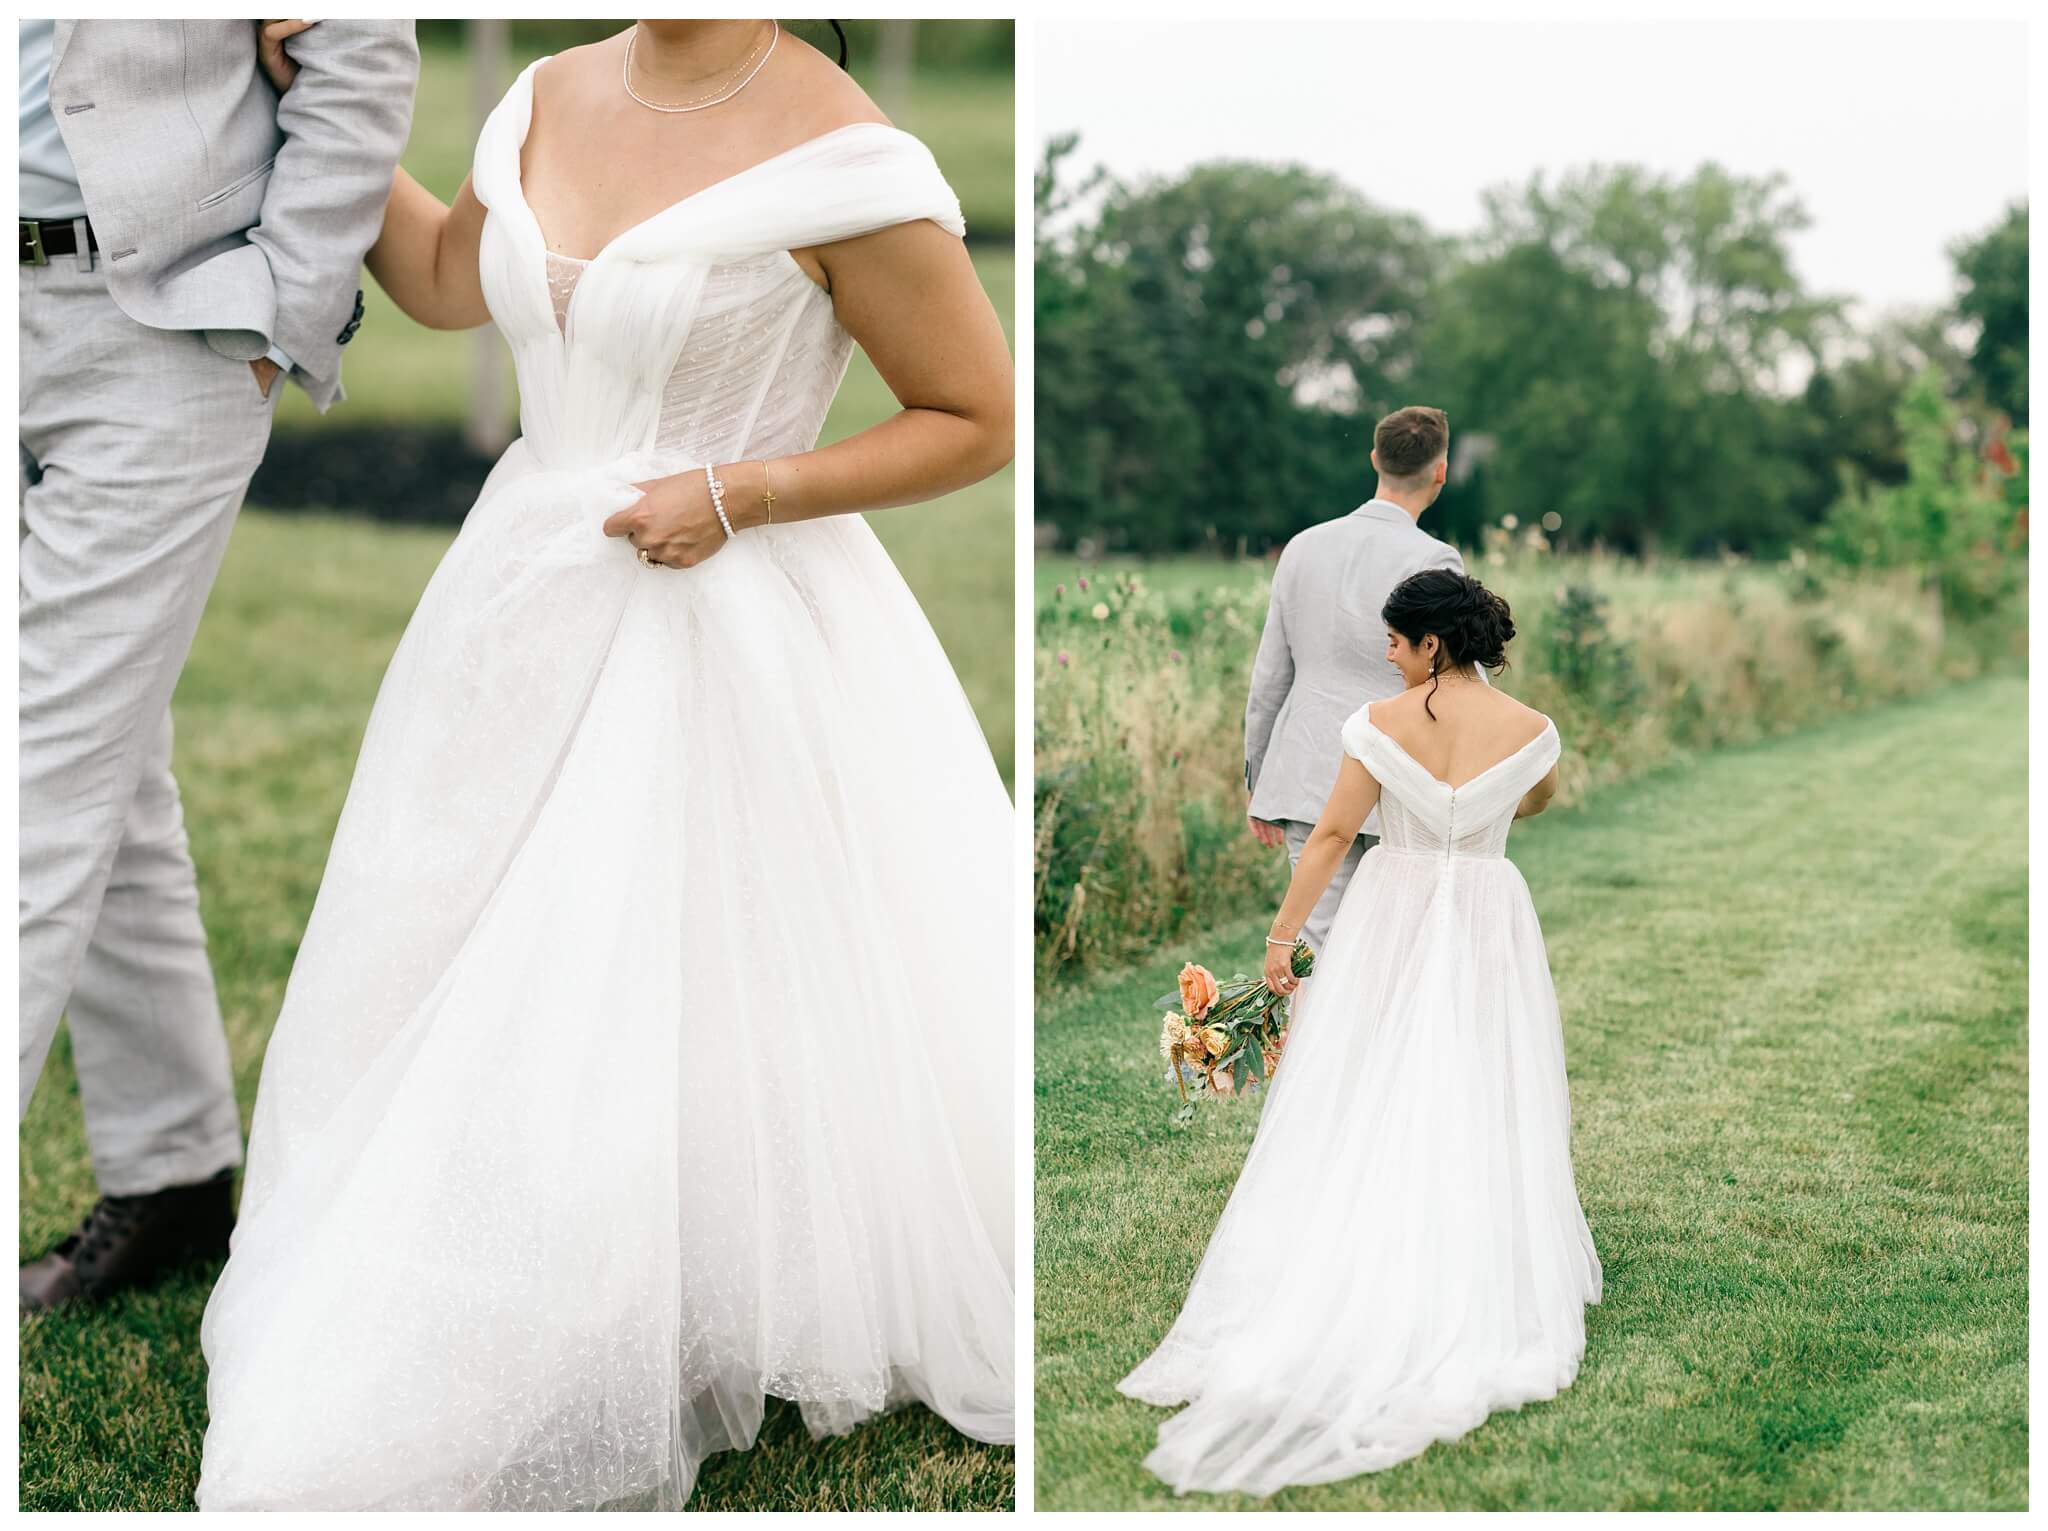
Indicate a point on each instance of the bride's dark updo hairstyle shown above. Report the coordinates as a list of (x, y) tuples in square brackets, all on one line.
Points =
[(1471, 623)]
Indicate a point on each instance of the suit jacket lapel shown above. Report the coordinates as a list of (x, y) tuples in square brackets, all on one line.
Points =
[(60, 39)]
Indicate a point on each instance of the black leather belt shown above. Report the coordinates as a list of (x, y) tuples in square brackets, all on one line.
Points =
[(42, 238)]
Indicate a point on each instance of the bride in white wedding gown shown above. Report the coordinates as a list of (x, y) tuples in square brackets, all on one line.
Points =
[(643, 1057), (1404, 1251)]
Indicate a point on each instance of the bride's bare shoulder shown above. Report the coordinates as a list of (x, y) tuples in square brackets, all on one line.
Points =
[(1523, 725), (822, 96), (1518, 718), (1402, 716), (580, 73)]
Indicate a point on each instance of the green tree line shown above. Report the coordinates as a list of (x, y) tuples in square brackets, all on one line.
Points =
[(1212, 350)]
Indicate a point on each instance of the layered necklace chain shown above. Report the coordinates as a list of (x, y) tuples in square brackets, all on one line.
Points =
[(742, 76)]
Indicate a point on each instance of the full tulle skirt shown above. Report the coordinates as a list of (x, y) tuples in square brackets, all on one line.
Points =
[(645, 1054), (1404, 1252)]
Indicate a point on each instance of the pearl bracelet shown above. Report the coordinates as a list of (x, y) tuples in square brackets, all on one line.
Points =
[(718, 499), (1276, 941)]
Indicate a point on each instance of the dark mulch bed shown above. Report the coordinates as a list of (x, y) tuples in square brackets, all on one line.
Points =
[(424, 474)]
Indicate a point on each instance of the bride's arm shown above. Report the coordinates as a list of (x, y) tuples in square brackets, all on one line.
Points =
[(1328, 843), (1538, 797), (909, 295), (426, 257)]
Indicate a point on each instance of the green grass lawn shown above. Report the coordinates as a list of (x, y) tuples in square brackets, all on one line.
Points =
[(1793, 982), (270, 713)]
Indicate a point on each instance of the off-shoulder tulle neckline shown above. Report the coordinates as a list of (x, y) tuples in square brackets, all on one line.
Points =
[(524, 85), (1549, 727)]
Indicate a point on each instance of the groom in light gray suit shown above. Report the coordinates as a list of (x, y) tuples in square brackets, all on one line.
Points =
[(187, 239), (1323, 654)]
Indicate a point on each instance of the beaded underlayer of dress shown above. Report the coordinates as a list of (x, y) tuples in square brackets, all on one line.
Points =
[(563, 273)]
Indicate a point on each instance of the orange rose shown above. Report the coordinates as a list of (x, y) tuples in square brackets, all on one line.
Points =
[(1197, 990)]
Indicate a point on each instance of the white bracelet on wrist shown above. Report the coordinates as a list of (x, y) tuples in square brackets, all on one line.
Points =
[(717, 488)]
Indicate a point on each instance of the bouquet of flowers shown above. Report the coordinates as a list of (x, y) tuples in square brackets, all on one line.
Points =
[(1223, 1039)]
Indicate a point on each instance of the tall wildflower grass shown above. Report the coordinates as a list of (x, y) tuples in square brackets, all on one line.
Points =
[(1142, 672)]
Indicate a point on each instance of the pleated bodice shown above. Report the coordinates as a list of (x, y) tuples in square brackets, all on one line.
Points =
[(695, 332), (1422, 814)]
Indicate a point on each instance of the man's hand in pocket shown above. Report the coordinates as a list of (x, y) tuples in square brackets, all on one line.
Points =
[(266, 372)]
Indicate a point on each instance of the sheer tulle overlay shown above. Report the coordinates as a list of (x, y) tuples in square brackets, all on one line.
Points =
[(1404, 1251), (640, 1060)]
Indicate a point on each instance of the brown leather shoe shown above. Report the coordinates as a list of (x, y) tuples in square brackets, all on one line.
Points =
[(131, 1241)]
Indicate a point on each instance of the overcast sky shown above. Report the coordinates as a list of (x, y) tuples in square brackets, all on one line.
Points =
[(1898, 136)]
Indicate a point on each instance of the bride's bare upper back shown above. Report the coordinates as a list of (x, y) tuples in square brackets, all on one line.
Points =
[(1474, 728)]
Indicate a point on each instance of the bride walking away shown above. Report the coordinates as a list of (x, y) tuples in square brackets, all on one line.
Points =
[(1406, 1224), (629, 1073)]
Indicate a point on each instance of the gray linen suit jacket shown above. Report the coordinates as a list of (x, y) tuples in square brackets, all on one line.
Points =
[(221, 207), (1323, 654)]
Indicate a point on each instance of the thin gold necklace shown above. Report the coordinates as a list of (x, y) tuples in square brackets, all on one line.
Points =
[(716, 97)]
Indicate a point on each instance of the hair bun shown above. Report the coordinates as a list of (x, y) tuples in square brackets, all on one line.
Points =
[(1484, 629), (1472, 621)]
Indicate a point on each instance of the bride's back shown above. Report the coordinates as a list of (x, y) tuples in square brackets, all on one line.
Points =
[(1452, 774), (1465, 729)]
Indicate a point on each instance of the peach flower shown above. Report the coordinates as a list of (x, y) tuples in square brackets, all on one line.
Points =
[(1198, 990)]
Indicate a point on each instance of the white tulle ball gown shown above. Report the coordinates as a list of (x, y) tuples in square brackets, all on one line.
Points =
[(644, 1056), (1404, 1251)]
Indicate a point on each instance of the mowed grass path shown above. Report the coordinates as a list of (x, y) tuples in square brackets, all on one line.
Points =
[(270, 713), (1793, 981)]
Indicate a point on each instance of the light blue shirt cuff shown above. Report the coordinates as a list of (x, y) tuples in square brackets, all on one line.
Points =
[(276, 354)]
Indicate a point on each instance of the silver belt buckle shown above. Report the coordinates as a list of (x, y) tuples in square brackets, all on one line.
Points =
[(32, 243)]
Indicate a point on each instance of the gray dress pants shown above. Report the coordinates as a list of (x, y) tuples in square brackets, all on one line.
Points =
[(136, 447), (1317, 926)]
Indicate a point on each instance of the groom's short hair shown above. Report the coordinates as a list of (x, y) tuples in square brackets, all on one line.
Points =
[(1409, 441)]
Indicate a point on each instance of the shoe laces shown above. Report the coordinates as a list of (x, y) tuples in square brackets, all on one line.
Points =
[(110, 1218)]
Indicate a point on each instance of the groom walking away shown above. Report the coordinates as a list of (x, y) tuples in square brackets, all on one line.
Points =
[(1323, 653), (187, 239)]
